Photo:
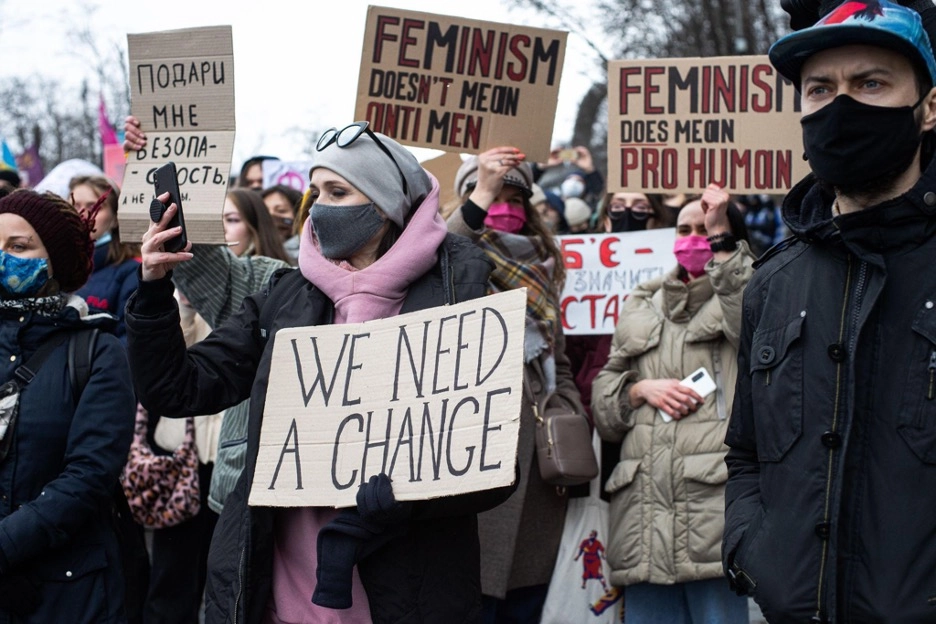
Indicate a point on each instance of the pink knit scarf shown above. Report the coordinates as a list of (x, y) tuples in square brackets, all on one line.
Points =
[(378, 290)]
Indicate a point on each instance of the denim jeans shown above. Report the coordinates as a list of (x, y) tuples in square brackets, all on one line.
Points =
[(698, 602)]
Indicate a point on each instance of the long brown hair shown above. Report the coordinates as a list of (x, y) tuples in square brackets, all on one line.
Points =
[(117, 250), (535, 226), (263, 233)]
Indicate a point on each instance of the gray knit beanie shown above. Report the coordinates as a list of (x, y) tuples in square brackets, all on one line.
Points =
[(466, 178), (368, 169)]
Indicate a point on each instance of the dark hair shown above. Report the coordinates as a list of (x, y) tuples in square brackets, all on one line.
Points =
[(11, 176), (117, 250), (736, 221), (250, 162), (535, 226), (661, 218), (292, 196), (265, 238)]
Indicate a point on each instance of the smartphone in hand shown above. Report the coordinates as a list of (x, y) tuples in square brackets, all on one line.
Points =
[(167, 181)]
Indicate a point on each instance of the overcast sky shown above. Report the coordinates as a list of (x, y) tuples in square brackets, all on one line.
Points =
[(296, 63)]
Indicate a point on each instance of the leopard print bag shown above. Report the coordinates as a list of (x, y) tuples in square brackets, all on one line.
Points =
[(162, 490)]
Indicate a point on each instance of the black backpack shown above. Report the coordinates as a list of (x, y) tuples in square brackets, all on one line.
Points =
[(80, 359)]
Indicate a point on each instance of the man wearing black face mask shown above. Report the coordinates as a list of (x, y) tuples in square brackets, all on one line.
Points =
[(832, 468)]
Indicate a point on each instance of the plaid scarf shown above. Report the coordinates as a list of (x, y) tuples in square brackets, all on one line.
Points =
[(524, 262)]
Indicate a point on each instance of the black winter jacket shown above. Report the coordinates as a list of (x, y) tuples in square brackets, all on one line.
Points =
[(57, 483), (832, 468), (429, 574)]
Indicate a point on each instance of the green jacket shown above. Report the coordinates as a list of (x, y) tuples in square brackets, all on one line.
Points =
[(668, 488)]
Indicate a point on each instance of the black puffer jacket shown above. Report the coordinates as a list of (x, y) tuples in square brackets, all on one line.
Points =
[(431, 572), (832, 486)]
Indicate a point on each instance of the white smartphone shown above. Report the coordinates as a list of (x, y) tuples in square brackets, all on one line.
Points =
[(700, 381)]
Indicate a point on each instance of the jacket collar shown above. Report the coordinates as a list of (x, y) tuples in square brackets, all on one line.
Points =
[(681, 301), (900, 223)]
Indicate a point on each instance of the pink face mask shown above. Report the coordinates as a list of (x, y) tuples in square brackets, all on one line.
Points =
[(505, 217), (692, 253)]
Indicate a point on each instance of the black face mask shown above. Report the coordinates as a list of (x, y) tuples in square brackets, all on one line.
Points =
[(628, 220), (858, 147)]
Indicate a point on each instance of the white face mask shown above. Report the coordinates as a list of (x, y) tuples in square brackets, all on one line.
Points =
[(572, 187)]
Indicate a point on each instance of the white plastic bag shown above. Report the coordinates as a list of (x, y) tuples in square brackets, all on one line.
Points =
[(579, 591)]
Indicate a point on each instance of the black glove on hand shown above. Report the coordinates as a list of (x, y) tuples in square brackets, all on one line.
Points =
[(352, 536), (19, 594), (377, 504)]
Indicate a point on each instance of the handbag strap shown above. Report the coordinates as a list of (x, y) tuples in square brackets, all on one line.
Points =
[(26, 372), (539, 405)]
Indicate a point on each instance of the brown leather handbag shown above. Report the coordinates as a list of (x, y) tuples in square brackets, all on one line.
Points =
[(564, 450)]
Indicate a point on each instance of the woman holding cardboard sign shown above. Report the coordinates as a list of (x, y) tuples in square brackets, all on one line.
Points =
[(665, 393), (520, 539), (373, 246)]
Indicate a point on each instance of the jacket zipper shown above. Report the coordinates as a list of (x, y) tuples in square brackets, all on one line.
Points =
[(240, 583), (931, 392), (835, 422)]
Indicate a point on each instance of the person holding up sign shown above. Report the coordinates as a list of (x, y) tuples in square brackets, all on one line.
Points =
[(668, 489), (520, 539), (373, 245)]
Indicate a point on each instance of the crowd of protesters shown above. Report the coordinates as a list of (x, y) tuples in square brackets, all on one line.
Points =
[(800, 480)]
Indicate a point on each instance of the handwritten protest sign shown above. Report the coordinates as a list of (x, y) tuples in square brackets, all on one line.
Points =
[(294, 173), (430, 398), (182, 91), (457, 84), (676, 125), (602, 270)]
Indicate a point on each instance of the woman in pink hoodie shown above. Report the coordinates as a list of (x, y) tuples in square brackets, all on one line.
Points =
[(374, 246)]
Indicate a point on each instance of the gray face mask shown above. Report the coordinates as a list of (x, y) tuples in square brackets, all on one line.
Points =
[(342, 230)]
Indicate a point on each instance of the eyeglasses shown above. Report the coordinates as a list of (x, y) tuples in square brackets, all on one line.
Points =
[(349, 134)]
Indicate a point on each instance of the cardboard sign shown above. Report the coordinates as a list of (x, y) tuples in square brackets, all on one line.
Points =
[(444, 168), (457, 84), (602, 270), (431, 398), (677, 125), (294, 174), (182, 91)]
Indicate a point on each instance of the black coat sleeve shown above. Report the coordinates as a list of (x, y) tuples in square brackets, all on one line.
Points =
[(742, 492), (211, 376)]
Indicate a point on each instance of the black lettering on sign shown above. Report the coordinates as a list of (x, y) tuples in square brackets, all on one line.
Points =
[(294, 434), (334, 467), (320, 376), (497, 333)]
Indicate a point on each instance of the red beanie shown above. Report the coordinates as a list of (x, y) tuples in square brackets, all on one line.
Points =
[(65, 234)]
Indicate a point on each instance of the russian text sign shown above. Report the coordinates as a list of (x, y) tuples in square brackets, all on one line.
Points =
[(430, 398), (182, 91), (677, 125), (457, 84), (603, 269)]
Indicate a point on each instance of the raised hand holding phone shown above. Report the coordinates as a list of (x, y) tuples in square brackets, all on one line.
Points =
[(160, 250), (167, 181)]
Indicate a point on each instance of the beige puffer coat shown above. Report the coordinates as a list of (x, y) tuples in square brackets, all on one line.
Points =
[(668, 489)]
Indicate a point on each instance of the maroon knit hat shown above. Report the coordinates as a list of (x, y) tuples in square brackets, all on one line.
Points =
[(65, 234)]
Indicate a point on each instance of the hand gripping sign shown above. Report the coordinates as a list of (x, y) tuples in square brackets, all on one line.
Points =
[(430, 398)]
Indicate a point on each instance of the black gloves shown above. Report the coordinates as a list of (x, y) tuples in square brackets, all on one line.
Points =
[(352, 536), (376, 503)]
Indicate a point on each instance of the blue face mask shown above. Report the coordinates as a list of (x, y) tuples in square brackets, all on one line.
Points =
[(103, 240), (22, 277)]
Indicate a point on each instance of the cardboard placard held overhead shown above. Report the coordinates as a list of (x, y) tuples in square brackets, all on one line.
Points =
[(430, 398), (182, 91), (603, 269), (458, 84), (677, 125)]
